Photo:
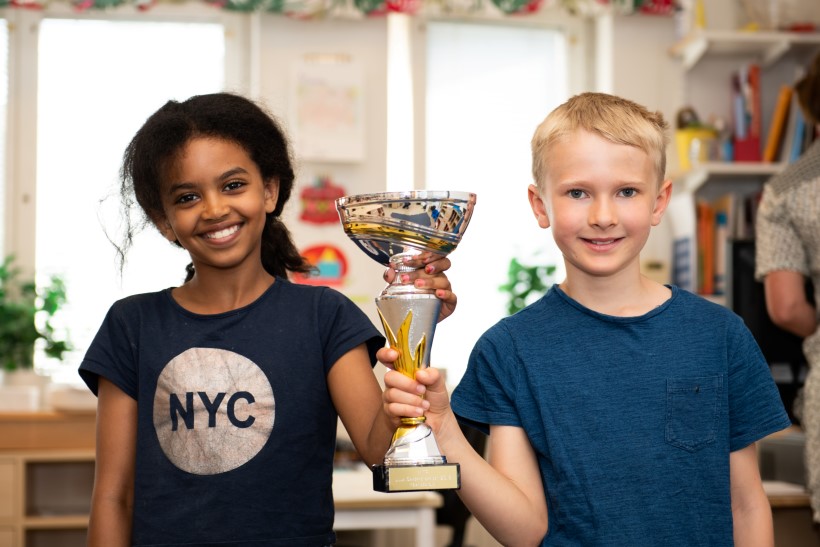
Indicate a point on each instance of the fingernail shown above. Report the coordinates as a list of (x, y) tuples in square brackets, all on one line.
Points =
[(429, 268), (405, 278)]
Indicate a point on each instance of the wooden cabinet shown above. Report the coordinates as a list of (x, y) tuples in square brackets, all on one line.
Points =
[(46, 478), (709, 58)]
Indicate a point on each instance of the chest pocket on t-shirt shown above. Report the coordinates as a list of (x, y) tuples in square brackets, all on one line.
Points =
[(692, 410)]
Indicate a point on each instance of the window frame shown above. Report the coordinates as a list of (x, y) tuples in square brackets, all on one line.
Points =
[(19, 215)]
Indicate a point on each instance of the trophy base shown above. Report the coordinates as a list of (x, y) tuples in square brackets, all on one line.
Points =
[(413, 478)]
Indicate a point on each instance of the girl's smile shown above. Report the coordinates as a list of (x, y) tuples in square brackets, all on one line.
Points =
[(215, 204)]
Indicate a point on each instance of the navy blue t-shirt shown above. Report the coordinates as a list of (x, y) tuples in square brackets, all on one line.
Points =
[(632, 419), (236, 429)]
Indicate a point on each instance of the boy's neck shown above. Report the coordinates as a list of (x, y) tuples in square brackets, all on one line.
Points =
[(628, 295)]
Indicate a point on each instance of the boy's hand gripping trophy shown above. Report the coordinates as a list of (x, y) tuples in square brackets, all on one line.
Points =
[(389, 227)]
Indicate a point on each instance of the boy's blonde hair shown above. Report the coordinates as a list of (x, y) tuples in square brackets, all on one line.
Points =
[(615, 119)]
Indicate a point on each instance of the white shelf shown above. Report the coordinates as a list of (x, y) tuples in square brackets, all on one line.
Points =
[(767, 46), (693, 179)]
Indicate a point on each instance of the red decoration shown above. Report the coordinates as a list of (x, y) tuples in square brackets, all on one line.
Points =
[(319, 201), (330, 266)]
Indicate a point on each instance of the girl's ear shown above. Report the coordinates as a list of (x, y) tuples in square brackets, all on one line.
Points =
[(271, 194), (539, 208), (164, 228)]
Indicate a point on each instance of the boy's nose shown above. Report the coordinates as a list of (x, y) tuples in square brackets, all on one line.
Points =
[(602, 213)]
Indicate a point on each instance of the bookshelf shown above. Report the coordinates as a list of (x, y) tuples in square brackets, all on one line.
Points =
[(710, 61)]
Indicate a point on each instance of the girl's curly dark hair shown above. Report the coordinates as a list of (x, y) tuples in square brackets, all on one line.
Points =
[(219, 115)]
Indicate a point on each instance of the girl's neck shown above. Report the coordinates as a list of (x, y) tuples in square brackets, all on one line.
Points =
[(212, 292)]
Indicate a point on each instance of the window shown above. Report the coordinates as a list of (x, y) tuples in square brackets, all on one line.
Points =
[(4, 97), (91, 100), (488, 87)]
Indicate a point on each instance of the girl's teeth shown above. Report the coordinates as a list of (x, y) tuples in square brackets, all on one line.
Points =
[(223, 233)]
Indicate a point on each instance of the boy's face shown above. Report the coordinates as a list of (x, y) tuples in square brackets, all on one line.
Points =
[(601, 200)]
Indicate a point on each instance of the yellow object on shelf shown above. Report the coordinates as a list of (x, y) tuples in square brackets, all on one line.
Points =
[(693, 144)]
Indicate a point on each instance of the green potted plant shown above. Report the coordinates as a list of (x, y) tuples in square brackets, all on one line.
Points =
[(526, 284), (26, 313)]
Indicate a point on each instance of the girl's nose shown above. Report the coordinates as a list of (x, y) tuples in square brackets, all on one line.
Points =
[(215, 207)]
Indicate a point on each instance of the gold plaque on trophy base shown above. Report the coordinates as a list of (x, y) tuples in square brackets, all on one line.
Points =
[(411, 478)]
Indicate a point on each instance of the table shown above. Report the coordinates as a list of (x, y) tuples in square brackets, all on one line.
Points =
[(359, 507)]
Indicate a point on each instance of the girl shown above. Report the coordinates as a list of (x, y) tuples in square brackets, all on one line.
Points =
[(218, 399)]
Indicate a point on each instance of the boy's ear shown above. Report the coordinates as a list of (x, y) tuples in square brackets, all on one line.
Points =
[(271, 194), (539, 208), (662, 201)]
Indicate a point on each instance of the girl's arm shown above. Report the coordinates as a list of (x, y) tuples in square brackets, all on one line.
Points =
[(112, 500), (504, 492), (751, 511), (357, 397), (787, 304)]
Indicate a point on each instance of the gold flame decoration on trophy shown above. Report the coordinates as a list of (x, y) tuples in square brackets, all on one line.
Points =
[(390, 227), (407, 363)]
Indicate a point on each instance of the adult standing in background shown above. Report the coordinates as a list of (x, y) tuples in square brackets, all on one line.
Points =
[(787, 255)]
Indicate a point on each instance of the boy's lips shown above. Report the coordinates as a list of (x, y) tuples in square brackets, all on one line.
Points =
[(602, 241)]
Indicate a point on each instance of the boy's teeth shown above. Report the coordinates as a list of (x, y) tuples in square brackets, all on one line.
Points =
[(222, 233)]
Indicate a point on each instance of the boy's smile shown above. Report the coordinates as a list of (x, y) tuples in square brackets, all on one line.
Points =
[(601, 200)]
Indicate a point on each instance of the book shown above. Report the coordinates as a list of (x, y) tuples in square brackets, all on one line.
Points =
[(706, 247), (776, 130), (798, 136)]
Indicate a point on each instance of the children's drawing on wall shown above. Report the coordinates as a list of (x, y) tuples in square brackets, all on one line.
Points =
[(330, 266), (318, 201), (327, 108)]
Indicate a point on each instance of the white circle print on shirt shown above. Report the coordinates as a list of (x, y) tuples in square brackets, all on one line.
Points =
[(213, 410)]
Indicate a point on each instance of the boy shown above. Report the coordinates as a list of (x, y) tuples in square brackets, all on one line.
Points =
[(620, 411)]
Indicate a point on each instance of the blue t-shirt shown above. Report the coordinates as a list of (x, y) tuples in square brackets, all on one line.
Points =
[(632, 419), (236, 427)]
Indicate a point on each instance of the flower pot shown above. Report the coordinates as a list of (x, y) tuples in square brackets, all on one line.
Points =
[(22, 390)]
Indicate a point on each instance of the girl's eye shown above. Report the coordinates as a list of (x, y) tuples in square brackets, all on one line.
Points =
[(234, 185), (185, 198), (576, 194), (629, 192)]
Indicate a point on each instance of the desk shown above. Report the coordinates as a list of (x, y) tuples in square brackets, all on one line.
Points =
[(358, 507)]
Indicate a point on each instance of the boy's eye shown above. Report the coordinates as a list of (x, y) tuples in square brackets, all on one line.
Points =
[(234, 185), (576, 194), (629, 192)]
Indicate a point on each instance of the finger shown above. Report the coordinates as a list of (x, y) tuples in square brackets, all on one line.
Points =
[(387, 356), (394, 379)]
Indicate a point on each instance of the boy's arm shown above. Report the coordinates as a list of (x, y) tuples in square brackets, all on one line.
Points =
[(504, 492), (751, 511)]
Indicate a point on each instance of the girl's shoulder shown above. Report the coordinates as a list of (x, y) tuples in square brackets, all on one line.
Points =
[(143, 299)]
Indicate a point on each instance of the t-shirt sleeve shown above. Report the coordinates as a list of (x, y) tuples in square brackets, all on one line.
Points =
[(755, 407), (111, 355), (486, 393), (344, 326), (777, 243)]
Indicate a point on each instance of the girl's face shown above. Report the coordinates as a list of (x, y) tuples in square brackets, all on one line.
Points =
[(215, 203), (601, 200)]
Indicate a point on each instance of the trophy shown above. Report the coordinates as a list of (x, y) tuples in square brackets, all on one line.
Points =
[(389, 227)]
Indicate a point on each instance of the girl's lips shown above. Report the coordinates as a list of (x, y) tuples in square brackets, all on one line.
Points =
[(222, 234)]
